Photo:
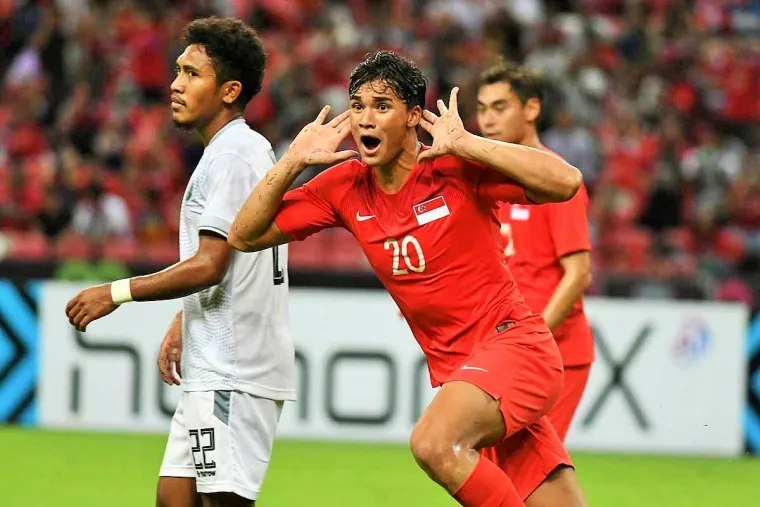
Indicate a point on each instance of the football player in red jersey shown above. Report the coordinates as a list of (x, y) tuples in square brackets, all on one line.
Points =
[(548, 248), (426, 220)]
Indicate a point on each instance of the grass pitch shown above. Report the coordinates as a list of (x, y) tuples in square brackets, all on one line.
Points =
[(43, 468)]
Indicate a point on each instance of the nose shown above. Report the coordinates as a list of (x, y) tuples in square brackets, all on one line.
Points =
[(177, 85), (366, 119), (488, 118)]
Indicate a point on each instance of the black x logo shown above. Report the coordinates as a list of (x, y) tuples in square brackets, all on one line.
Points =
[(616, 381)]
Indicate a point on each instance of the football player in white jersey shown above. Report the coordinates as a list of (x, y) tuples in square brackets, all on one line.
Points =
[(231, 339)]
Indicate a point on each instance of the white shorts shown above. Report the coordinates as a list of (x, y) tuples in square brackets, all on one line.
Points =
[(223, 439)]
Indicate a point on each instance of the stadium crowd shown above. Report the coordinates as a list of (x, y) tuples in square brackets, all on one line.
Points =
[(656, 101)]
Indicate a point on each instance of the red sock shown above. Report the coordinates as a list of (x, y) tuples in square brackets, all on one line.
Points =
[(488, 486)]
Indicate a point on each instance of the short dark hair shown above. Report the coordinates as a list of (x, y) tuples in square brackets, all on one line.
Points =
[(401, 75), (235, 49), (524, 83)]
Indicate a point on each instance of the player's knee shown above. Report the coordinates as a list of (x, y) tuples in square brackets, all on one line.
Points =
[(433, 454)]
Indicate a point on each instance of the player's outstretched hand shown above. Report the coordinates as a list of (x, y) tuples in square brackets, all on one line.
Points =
[(89, 305), (317, 141), (170, 353), (447, 130)]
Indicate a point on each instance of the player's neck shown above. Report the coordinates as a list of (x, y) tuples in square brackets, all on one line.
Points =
[(393, 176), (532, 140), (207, 131)]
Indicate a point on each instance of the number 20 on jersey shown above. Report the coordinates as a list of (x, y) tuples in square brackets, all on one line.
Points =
[(404, 249)]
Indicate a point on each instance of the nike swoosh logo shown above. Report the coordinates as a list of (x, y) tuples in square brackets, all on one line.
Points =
[(361, 218), (474, 368)]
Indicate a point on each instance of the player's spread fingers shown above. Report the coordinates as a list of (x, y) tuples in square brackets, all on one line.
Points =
[(442, 107), (344, 155), (453, 101), (426, 125), (345, 124), (344, 130), (429, 116), (322, 115), (338, 120)]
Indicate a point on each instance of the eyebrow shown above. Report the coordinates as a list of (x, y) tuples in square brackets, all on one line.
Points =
[(376, 98), (186, 67), (494, 103)]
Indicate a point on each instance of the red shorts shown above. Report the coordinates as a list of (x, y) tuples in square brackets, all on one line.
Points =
[(561, 414), (523, 370)]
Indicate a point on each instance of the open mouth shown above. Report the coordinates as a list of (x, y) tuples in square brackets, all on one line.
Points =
[(370, 144)]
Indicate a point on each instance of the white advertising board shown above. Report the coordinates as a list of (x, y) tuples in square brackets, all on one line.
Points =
[(669, 377)]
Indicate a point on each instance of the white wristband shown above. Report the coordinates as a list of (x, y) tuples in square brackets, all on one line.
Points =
[(121, 292)]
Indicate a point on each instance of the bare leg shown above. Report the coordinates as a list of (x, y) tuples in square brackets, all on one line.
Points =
[(177, 492), (559, 489), (460, 420), (225, 500)]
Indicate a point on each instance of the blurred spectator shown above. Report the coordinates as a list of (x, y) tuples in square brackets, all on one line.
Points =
[(575, 143), (710, 170), (55, 216), (665, 206), (99, 215), (151, 223)]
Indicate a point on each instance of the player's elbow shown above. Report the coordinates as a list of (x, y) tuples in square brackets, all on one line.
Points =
[(238, 243), (208, 269), (582, 277), (585, 279), (215, 277), (568, 182), (560, 183), (248, 245), (212, 272)]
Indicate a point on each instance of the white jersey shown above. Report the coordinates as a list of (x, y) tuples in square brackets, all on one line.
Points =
[(235, 335)]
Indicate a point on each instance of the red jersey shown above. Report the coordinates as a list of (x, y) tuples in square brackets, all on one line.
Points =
[(434, 245), (535, 238)]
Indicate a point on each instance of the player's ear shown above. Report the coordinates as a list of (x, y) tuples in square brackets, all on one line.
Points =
[(532, 109), (232, 91), (413, 117)]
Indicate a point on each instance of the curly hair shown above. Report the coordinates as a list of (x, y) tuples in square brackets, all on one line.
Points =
[(399, 74), (235, 49)]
